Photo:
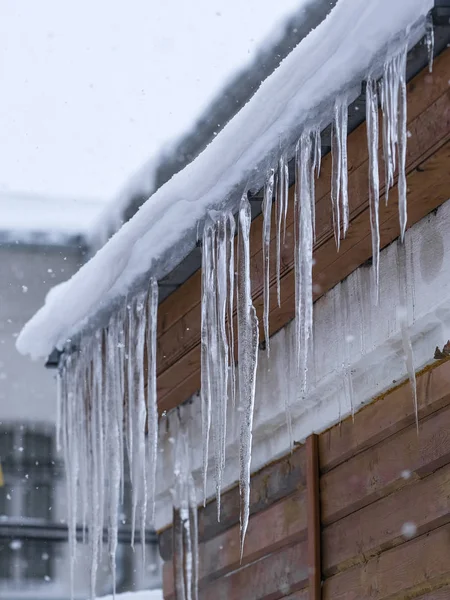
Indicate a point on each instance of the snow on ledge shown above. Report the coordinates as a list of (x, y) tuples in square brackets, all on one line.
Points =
[(338, 54)]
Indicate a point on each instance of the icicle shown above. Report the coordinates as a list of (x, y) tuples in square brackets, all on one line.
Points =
[(248, 339), (393, 104), (70, 451), (59, 401), (222, 274), (281, 191), (100, 406), (267, 217), (152, 405), (402, 141), (339, 176), (304, 201), (94, 479), (374, 186), (193, 520), (216, 338), (139, 484), (207, 275), (185, 520), (231, 277), (130, 380), (113, 446), (429, 40), (315, 172)]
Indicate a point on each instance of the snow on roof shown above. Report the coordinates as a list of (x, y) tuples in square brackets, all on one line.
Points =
[(333, 59)]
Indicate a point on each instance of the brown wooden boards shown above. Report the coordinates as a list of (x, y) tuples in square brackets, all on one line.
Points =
[(313, 505)]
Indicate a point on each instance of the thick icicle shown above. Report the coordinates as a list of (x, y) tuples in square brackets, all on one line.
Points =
[(207, 254), (139, 486), (218, 373), (231, 286), (339, 175), (402, 142), (304, 201), (267, 217), (281, 193), (114, 403), (248, 339), (152, 406), (374, 186), (393, 104)]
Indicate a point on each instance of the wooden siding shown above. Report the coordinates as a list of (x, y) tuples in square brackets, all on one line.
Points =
[(377, 474), (428, 180)]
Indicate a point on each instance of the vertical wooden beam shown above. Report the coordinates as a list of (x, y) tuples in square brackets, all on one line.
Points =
[(313, 509)]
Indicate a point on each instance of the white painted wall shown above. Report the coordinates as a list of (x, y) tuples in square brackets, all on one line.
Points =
[(367, 344)]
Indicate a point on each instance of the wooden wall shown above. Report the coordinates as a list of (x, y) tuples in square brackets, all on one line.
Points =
[(370, 482), (428, 180)]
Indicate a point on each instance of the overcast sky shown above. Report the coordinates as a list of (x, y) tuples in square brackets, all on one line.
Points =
[(89, 90)]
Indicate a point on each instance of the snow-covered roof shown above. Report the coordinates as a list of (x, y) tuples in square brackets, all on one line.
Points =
[(350, 43)]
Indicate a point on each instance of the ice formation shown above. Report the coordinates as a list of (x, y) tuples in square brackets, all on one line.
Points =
[(217, 339), (104, 373), (185, 527), (107, 385), (248, 340)]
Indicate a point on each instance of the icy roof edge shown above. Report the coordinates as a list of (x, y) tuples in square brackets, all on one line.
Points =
[(351, 42)]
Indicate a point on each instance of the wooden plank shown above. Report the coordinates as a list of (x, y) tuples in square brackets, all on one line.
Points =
[(414, 568), (178, 346), (269, 485), (377, 471), (313, 507), (384, 417), (428, 188), (283, 524), (378, 527), (271, 578)]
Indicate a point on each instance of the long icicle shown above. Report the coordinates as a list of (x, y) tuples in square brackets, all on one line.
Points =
[(140, 458), (248, 339), (339, 174), (304, 251), (267, 217), (402, 142), (281, 191), (374, 186), (207, 252), (222, 273), (152, 405)]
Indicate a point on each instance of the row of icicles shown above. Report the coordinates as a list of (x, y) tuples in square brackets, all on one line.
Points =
[(107, 399)]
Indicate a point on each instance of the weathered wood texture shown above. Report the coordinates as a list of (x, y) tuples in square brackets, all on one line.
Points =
[(313, 510), (380, 479), (274, 482), (428, 183)]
